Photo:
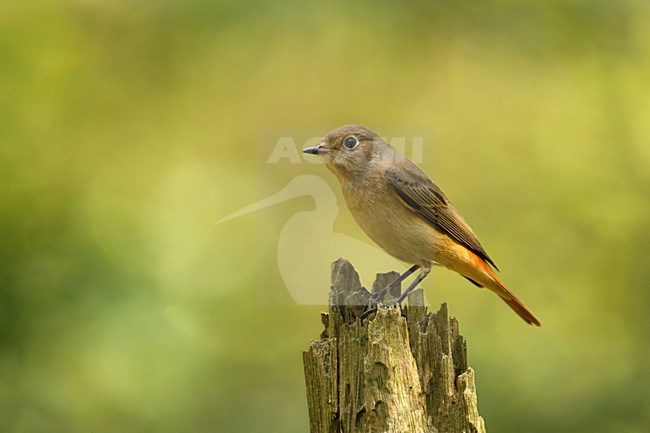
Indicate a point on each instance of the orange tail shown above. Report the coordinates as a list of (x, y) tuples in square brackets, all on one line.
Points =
[(520, 308), (493, 283)]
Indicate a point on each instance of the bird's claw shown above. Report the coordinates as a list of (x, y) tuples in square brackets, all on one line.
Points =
[(368, 311), (373, 303), (370, 308)]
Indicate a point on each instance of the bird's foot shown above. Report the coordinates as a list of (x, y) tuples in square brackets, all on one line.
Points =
[(374, 299), (371, 306), (373, 303), (368, 310), (379, 295)]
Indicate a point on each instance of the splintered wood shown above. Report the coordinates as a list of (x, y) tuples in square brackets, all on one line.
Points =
[(396, 371)]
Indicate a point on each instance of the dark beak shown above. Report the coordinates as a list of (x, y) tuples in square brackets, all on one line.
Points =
[(316, 150)]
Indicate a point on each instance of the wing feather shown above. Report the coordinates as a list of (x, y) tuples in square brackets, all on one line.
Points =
[(419, 193)]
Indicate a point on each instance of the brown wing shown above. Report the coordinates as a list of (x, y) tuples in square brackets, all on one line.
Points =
[(419, 193)]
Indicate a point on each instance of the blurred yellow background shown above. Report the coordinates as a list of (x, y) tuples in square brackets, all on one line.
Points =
[(128, 128)]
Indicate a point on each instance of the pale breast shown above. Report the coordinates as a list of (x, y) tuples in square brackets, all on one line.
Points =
[(394, 227)]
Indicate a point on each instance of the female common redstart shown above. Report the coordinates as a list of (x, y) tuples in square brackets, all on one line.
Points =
[(405, 213)]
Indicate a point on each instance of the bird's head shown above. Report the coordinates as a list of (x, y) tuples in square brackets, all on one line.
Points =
[(351, 151)]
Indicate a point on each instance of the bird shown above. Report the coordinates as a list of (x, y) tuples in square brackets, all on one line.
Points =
[(404, 212)]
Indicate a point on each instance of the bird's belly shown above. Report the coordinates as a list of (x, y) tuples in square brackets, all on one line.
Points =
[(399, 231)]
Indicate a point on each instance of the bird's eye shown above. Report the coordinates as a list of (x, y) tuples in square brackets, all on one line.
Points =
[(351, 142)]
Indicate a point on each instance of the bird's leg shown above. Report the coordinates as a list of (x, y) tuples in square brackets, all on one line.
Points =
[(381, 293), (374, 299), (418, 280)]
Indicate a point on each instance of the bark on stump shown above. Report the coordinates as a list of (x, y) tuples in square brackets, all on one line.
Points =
[(395, 371)]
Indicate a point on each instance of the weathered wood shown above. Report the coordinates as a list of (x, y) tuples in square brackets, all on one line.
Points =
[(396, 371)]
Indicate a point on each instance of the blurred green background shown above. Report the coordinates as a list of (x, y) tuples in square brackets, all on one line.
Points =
[(127, 128)]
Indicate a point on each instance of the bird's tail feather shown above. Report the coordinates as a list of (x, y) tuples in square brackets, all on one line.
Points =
[(519, 308), (494, 284)]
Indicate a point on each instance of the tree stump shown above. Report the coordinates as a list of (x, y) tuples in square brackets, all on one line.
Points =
[(397, 371)]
